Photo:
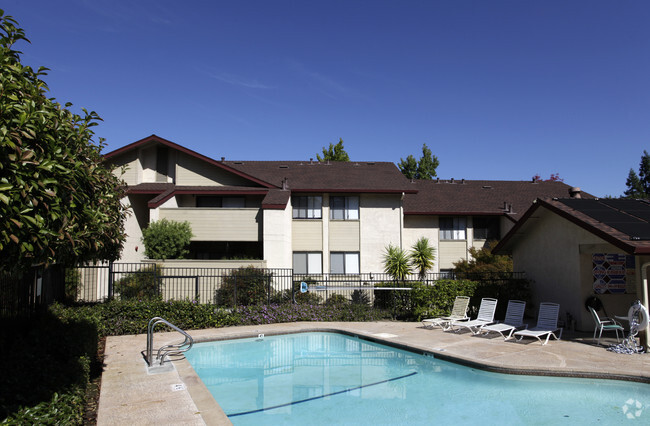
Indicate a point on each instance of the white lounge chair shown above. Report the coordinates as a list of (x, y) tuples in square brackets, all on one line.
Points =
[(605, 324), (458, 313), (546, 324), (514, 320), (485, 316)]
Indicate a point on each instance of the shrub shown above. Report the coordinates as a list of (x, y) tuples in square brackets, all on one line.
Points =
[(143, 284), (336, 299), (249, 285), (166, 239), (72, 284), (396, 262), (360, 297), (44, 377), (308, 298)]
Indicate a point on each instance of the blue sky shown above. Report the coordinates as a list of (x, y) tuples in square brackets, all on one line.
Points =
[(499, 90)]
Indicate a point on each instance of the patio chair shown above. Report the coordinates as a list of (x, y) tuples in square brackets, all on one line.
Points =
[(546, 324), (458, 313), (485, 316), (513, 321), (605, 324)]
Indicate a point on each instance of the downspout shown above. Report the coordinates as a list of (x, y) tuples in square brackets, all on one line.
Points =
[(644, 293), (401, 220)]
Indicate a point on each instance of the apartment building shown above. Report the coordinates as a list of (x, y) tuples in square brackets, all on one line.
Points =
[(315, 217)]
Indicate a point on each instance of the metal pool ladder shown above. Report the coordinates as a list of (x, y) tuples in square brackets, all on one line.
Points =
[(170, 349)]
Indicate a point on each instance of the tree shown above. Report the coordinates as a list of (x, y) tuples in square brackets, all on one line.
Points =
[(334, 153), (422, 256), (166, 239), (425, 168), (483, 263), (396, 262), (638, 186), (59, 202), (555, 177)]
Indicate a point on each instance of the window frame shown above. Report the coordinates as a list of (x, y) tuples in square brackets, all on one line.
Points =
[(347, 255), (493, 229), (456, 232), (308, 255), (343, 208), (307, 207)]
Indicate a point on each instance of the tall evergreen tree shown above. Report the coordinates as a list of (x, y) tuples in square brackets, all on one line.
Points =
[(425, 168), (638, 186), (334, 153)]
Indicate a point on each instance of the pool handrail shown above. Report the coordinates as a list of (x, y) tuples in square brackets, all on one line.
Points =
[(165, 350)]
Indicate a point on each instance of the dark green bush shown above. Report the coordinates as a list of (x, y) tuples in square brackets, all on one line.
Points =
[(167, 239), (360, 297), (44, 377), (72, 284), (336, 299), (143, 284), (249, 285)]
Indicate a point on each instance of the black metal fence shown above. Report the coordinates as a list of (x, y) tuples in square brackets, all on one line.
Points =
[(222, 286)]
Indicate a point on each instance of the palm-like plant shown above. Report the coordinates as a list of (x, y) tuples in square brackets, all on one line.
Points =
[(396, 262), (422, 256)]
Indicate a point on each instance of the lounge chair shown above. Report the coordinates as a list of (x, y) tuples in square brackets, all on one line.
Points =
[(514, 320), (546, 324), (485, 316), (458, 313), (605, 324)]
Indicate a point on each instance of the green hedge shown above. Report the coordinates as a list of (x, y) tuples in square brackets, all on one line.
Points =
[(45, 370), (427, 301)]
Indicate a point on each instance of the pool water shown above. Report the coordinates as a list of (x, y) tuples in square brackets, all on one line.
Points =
[(330, 378)]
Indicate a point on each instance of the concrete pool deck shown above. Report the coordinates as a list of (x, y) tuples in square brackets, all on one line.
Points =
[(130, 395)]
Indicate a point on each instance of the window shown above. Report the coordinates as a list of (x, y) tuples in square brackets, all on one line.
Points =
[(486, 227), (452, 228), (307, 263), (344, 263), (344, 208), (307, 207), (214, 201), (162, 163), (447, 274)]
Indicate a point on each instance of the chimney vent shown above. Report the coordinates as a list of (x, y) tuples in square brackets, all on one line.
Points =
[(575, 192), (223, 159)]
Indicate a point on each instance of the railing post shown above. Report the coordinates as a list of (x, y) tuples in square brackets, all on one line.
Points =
[(196, 288), (110, 280)]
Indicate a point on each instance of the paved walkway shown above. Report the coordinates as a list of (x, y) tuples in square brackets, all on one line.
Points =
[(130, 395)]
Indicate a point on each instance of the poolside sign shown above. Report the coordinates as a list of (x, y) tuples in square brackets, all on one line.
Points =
[(609, 272)]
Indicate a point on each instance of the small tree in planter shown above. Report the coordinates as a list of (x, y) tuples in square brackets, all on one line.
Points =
[(167, 239)]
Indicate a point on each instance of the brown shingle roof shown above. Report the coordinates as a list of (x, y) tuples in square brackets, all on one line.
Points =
[(480, 197), (335, 176), (572, 211)]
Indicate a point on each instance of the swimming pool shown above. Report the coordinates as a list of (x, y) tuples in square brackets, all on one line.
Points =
[(331, 378)]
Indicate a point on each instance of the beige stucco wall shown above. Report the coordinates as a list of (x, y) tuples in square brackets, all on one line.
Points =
[(418, 226), (277, 225), (136, 220), (380, 218), (556, 255)]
